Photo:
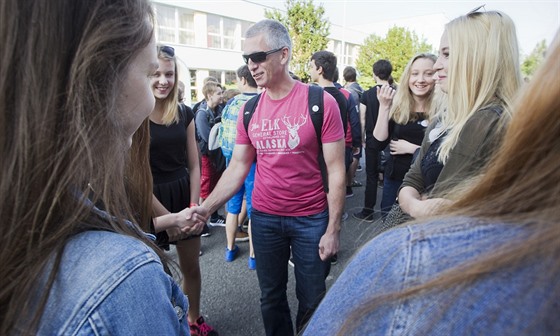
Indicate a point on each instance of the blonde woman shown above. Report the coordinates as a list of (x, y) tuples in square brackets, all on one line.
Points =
[(402, 121), (478, 69), (176, 177), (491, 264)]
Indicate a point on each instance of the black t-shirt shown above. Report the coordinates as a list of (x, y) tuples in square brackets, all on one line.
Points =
[(341, 101), (413, 132), (369, 99), (168, 147), (431, 167)]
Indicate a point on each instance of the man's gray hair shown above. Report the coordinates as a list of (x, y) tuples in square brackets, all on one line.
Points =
[(275, 34)]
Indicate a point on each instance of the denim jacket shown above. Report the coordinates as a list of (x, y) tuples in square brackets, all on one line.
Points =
[(503, 302), (112, 284)]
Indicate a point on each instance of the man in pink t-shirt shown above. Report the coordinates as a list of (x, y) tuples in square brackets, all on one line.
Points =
[(290, 206)]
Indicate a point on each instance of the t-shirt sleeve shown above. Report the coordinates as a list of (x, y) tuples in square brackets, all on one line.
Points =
[(332, 123)]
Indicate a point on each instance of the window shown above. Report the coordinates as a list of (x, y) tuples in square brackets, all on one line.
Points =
[(186, 27), (213, 27), (231, 78), (174, 25), (225, 33), (244, 27), (350, 53), (194, 97)]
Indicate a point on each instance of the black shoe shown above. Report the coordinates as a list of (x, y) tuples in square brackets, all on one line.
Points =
[(334, 259), (356, 184), (217, 221), (363, 217), (349, 192), (205, 231)]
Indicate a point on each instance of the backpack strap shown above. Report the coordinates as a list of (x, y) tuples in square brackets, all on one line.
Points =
[(316, 110), (250, 107)]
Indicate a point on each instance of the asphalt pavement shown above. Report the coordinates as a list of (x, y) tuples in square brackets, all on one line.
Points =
[(230, 291)]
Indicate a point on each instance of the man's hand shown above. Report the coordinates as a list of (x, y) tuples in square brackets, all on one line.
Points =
[(328, 245), (198, 216)]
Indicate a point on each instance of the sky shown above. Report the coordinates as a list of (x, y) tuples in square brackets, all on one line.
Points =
[(534, 20)]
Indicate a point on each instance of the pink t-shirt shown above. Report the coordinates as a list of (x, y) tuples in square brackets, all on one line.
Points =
[(288, 179)]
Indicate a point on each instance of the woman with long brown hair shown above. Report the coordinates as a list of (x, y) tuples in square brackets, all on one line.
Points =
[(490, 265), (74, 87)]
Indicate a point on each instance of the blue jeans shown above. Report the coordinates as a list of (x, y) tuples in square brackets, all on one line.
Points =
[(272, 238), (390, 193)]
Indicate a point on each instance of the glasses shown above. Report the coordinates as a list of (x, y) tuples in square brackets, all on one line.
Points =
[(170, 51), (260, 56)]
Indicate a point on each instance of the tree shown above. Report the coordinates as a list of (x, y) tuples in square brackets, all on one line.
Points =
[(398, 46), (308, 30), (535, 58)]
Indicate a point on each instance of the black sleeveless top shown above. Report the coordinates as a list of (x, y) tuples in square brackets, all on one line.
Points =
[(168, 147)]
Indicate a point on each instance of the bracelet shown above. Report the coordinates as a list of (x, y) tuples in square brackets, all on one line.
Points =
[(193, 205)]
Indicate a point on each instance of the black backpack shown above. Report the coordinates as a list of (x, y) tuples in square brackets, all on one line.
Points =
[(315, 109)]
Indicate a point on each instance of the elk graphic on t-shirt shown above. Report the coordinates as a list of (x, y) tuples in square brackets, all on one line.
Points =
[(293, 129)]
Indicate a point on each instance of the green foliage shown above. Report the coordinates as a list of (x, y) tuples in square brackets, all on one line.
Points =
[(308, 29), (398, 46), (535, 58)]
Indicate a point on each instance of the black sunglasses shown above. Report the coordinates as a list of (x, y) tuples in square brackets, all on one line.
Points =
[(260, 56), (170, 51)]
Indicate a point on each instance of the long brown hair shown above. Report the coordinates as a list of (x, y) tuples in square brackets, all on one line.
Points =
[(62, 64), (139, 183), (521, 186)]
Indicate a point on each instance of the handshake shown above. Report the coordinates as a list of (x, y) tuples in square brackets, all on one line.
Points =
[(191, 221), (187, 222)]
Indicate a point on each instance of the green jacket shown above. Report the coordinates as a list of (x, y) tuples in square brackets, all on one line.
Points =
[(478, 140)]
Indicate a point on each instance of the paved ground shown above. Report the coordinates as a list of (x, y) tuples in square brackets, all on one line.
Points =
[(230, 292)]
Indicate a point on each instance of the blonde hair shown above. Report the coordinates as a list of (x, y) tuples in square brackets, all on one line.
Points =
[(170, 103), (402, 110), (210, 88), (483, 71)]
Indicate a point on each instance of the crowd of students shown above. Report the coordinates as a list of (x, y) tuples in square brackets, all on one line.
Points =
[(109, 168)]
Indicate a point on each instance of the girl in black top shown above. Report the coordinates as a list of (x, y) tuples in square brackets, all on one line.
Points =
[(402, 121), (176, 177)]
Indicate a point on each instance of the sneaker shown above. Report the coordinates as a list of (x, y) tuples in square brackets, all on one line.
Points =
[(231, 254), (201, 328), (334, 259), (291, 262), (344, 216), (241, 236), (363, 217), (217, 221), (359, 168), (356, 184), (252, 263), (349, 192), (205, 231), (245, 225)]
